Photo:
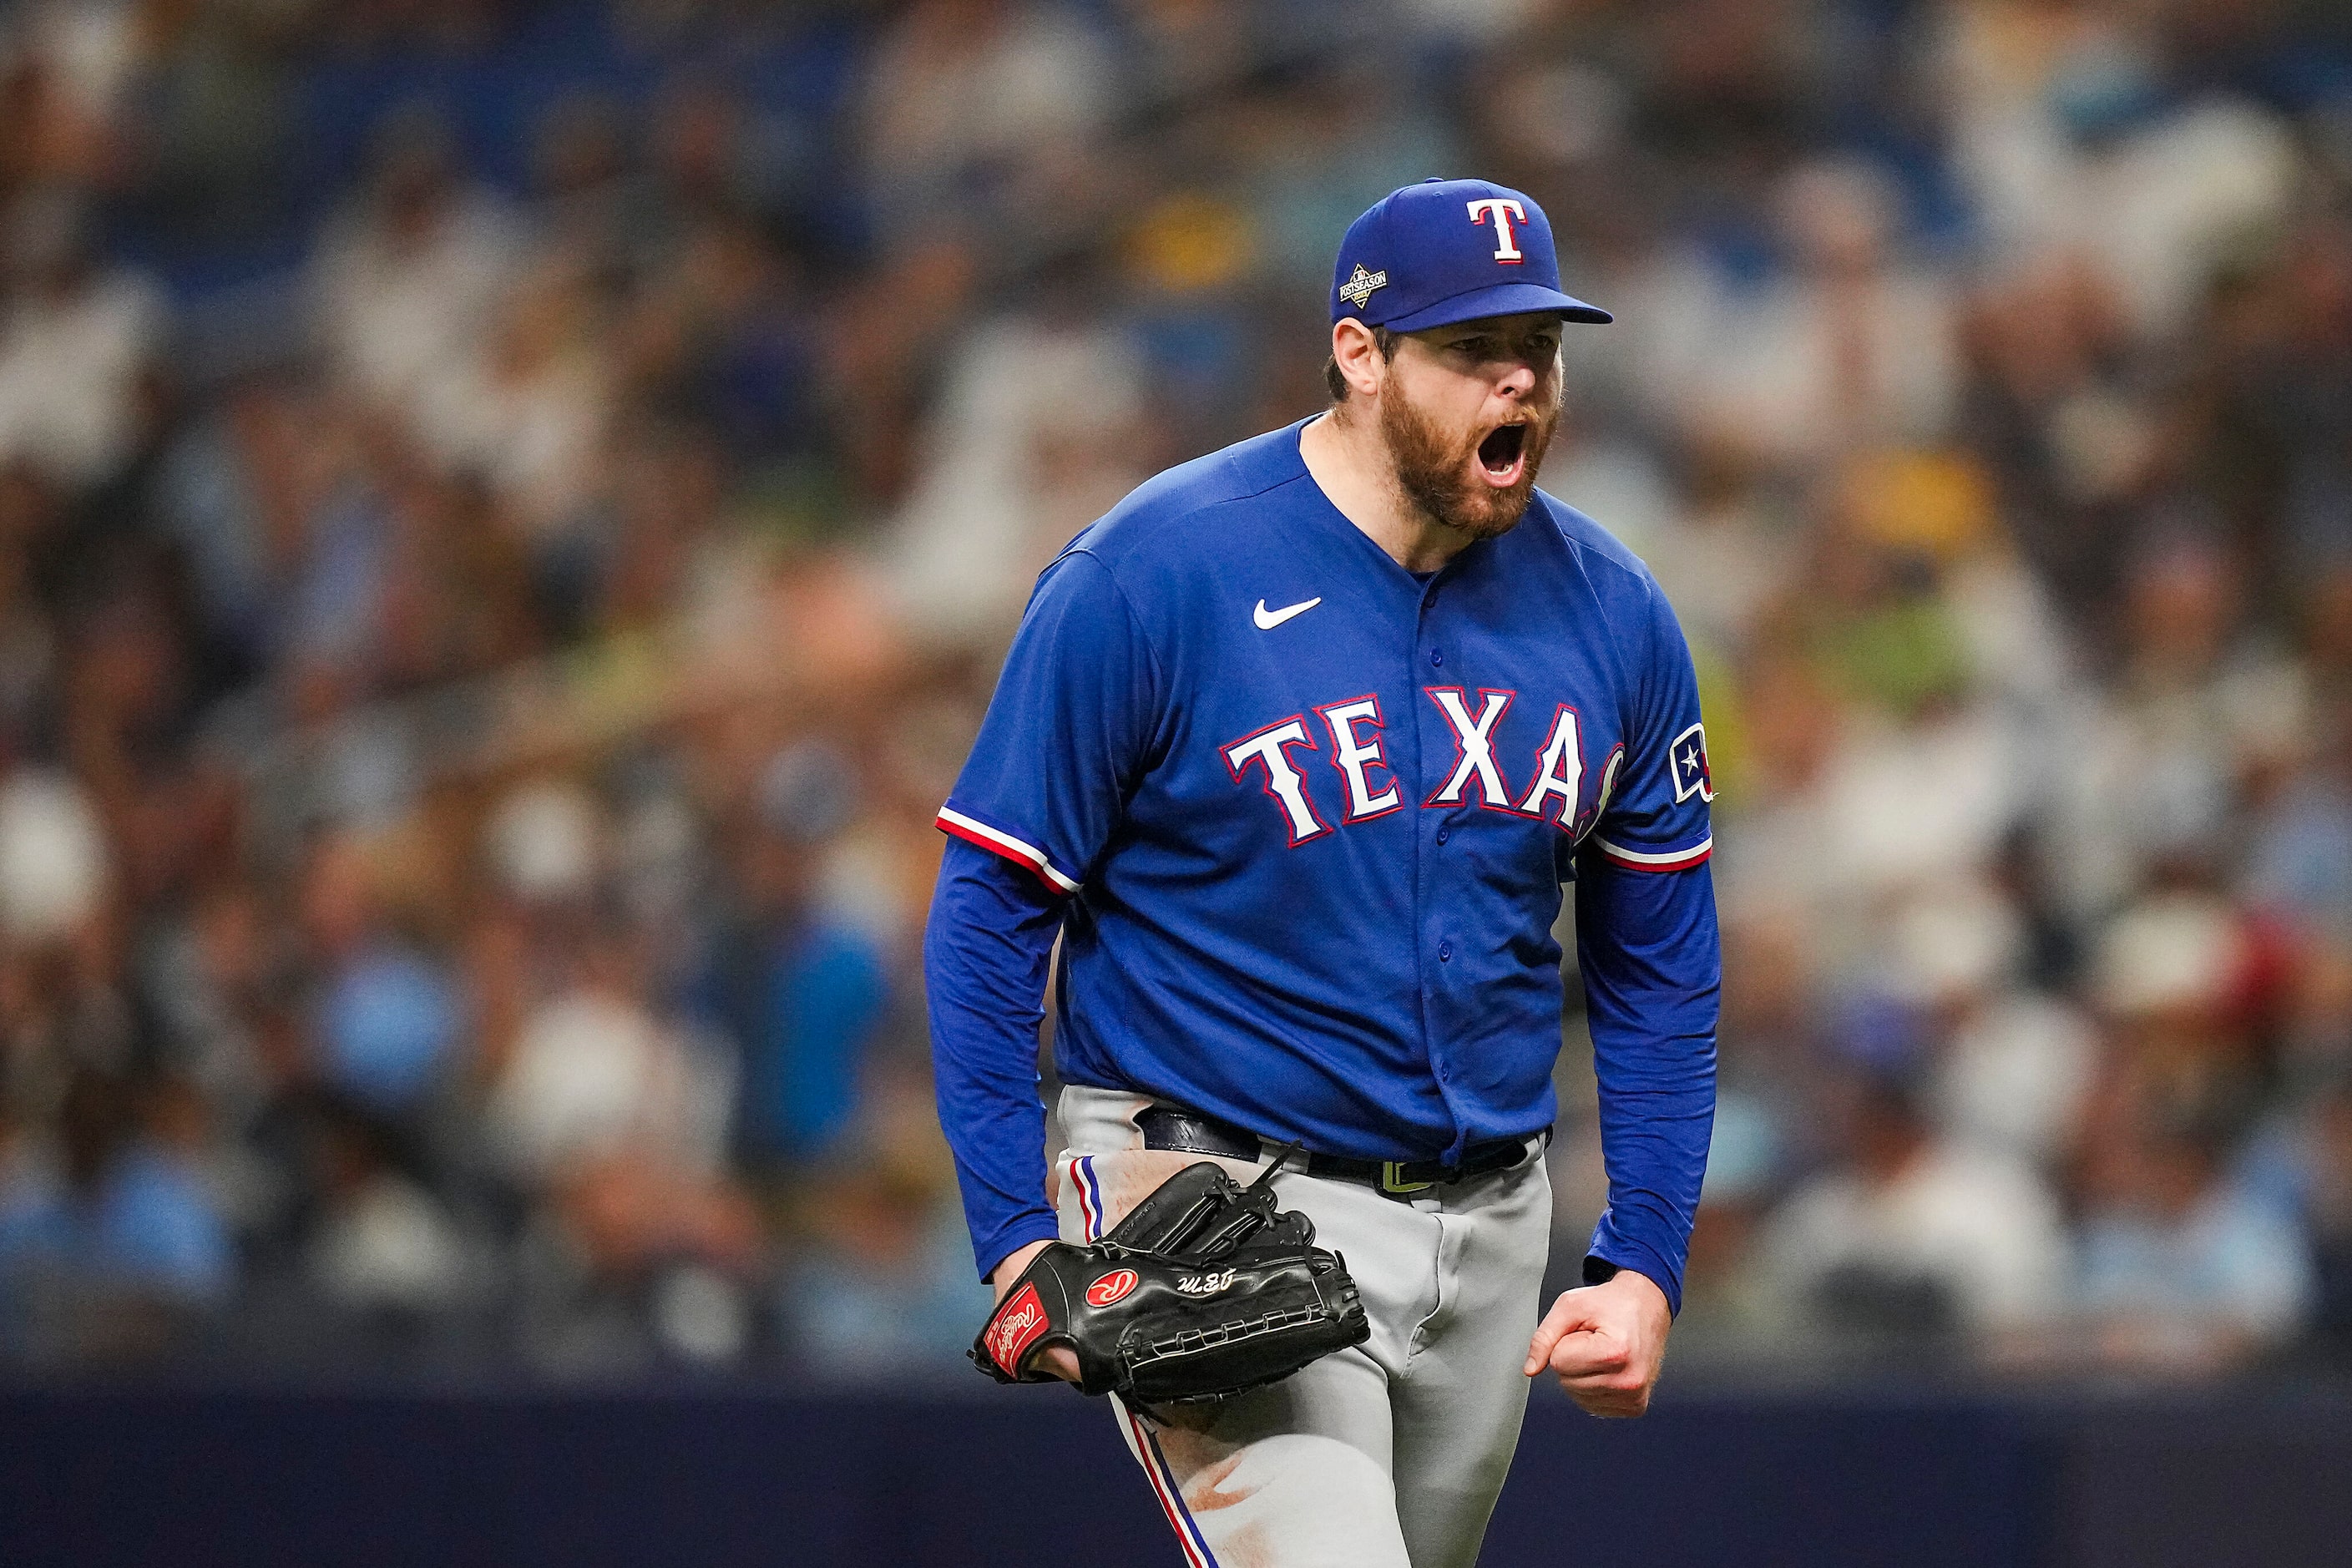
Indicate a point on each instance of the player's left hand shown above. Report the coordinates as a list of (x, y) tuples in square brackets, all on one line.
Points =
[(1606, 1343)]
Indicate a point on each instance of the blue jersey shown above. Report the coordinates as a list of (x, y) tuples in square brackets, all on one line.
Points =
[(1308, 816)]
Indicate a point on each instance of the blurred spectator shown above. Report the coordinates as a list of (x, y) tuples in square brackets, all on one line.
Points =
[(53, 859), (887, 1278), (384, 1244), (2330, 1212), (1036, 437), (409, 279), (1730, 554), (76, 338), (2068, 138), (2012, 1067), (616, 1122), (386, 1018), (594, 1076), (109, 1246), (544, 843), (982, 100), (1913, 1240), (2198, 707), (526, 410), (797, 981), (1728, 1312), (2299, 861), (2181, 1271), (1850, 348), (227, 497), (886, 1290)]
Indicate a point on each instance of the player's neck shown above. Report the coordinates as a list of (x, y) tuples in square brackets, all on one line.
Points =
[(1351, 464)]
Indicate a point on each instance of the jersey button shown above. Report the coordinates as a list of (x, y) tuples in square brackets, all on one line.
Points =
[(1436, 657), (1445, 952), (1441, 835)]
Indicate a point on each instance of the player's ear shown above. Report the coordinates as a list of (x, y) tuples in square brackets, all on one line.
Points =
[(1356, 356)]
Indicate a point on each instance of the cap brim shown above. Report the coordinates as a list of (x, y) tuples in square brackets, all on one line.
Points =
[(1500, 300)]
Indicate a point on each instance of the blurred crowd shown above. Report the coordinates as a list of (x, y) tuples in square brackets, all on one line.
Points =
[(510, 513)]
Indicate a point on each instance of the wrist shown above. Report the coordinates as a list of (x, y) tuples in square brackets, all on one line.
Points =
[(1625, 1280), (1634, 1258), (1009, 1239), (1017, 1263), (1640, 1295)]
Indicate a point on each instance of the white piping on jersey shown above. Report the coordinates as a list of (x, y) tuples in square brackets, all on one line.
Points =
[(1004, 844), (1643, 860)]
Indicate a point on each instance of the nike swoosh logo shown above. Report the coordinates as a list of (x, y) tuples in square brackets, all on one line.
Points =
[(1268, 619)]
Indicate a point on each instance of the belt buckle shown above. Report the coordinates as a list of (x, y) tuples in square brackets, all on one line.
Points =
[(1392, 1178)]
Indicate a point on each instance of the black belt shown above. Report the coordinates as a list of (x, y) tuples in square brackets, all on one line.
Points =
[(1189, 1131)]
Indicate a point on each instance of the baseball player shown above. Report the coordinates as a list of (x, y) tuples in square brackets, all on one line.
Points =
[(1294, 752)]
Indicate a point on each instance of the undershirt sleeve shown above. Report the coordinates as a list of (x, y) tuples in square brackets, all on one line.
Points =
[(1653, 968), (985, 950)]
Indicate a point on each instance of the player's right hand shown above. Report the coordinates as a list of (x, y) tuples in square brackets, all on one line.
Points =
[(1059, 1360)]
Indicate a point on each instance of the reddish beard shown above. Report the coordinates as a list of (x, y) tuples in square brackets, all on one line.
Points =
[(1433, 470)]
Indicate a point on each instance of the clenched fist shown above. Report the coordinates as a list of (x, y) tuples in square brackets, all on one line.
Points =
[(1605, 1342)]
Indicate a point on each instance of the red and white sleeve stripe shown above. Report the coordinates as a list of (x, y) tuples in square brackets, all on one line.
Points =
[(1647, 860), (1000, 843)]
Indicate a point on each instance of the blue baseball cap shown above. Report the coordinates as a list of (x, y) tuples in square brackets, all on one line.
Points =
[(1450, 251)]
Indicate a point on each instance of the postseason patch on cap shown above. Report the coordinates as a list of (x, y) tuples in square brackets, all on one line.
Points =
[(1359, 285)]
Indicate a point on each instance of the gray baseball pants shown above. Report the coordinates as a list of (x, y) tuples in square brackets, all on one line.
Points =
[(1386, 1456)]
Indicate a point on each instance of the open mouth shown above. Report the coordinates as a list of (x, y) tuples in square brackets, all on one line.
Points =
[(1501, 452)]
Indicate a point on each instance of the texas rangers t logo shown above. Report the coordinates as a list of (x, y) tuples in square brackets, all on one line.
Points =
[(1507, 247)]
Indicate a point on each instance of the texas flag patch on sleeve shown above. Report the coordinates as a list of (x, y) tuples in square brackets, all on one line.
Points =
[(1687, 758)]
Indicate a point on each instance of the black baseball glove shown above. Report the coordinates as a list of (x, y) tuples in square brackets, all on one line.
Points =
[(1204, 1291)]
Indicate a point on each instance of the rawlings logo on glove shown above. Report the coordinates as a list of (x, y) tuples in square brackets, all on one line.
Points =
[(1112, 1288), (1204, 1291), (1012, 1331)]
